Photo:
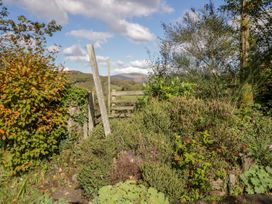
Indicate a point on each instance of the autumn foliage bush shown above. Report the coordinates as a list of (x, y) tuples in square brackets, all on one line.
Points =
[(31, 108), (31, 93)]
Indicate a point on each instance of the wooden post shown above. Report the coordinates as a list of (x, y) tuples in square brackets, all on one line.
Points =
[(91, 113), (85, 130), (99, 90), (109, 88), (113, 99)]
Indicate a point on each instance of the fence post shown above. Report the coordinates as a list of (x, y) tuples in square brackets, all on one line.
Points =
[(85, 130), (109, 88), (113, 99), (99, 90), (91, 113)]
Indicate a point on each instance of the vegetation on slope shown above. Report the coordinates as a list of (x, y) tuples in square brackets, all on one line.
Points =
[(190, 138)]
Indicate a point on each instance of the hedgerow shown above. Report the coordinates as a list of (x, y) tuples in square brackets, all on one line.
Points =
[(32, 113), (32, 117)]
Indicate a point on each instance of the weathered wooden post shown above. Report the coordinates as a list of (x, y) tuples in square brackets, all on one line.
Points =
[(91, 113), (109, 88), (85, 130), (113, 100), (99, 90)]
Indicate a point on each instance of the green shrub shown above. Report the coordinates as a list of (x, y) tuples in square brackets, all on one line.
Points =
[(191, 114), (257, 179), (156, 117), (168, 87), (32, 118), (207, 142), (132, 134), (99, 154), (77, 97), (165, 179), (96, 156), (192, 155), (32, 114), (182, 147), (258, 135), (193, 117), (129, 193)]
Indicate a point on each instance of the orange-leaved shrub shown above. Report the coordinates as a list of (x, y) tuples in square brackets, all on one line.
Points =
[(32, 113)]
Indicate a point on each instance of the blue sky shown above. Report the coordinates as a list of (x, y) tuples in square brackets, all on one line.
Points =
[(122, 31)]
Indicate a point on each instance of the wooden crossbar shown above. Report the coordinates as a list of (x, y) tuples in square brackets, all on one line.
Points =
[(127, 93)]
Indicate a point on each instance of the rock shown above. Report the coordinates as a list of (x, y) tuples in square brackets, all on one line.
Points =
[(247, 162), (218, 193), (218, 187), (74, 178), (232, 179), (217, 184)]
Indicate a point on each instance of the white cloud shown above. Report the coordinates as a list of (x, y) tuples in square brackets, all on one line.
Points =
[(130, 69), (50, 9), (142, 64), (136, 32), (117, 14), (120, 63), (79, 59), (66, 69), (97, 38), (166, 8), (77, 54), (100, 58), (74, 50), (135, 66)]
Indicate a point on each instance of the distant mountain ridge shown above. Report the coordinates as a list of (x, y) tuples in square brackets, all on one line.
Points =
[(127, 82), (136, 77)]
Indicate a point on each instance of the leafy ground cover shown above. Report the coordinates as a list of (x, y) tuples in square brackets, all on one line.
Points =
[(186, 148)]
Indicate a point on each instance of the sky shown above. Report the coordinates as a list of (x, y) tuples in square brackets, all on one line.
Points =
[(123, 32)]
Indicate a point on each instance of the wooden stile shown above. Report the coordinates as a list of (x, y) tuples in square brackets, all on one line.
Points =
[(99, 91)]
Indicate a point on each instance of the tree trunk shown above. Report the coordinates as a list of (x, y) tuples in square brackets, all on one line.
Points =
[(245, 77)]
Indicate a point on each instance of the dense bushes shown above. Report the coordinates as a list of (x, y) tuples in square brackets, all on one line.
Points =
[(128, 147), (258, 135), (164, 87), (165, 179), (184, 147), (32, 118), (76, 97)]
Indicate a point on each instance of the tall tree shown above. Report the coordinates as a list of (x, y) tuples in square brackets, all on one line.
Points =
[(204, 46), (255, 18), (247, 90)]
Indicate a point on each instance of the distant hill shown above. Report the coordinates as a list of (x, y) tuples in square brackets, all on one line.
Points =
[(118, 82), (136, 77)]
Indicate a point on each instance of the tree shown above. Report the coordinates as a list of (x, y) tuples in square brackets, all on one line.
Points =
[(30, 34), (32, 113), (204, 47), (256, 46), (247, 90)]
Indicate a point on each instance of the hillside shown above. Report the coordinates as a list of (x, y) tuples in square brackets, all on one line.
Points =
[(136, 77), (118, 82)]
